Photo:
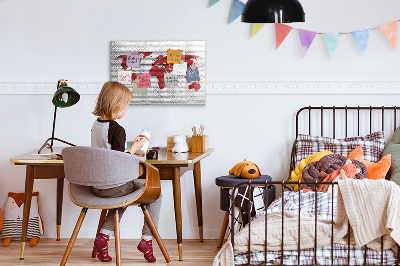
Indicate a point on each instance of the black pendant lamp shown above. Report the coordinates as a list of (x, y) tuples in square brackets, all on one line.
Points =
[(273, 11)]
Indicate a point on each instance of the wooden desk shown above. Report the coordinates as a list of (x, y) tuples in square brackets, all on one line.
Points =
[(169, 165), (40, 167)]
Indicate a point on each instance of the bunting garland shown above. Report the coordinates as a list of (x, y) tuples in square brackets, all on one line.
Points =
[(213, 2), (306, 39), (256, 27), (389, 30), (361, 37), (332, 41), (281, 31), (237, 9)]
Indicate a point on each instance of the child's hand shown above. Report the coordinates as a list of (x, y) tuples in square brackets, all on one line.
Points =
[(137, 144), (143, 155)]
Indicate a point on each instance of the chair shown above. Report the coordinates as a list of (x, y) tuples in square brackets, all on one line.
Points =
[(85, 167)]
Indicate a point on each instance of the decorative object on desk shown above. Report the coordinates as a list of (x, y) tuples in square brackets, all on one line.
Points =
[(199, 132), (12, 225), (64, 96), (180, 156), (200, 143), (245, 169), (171, 143), (152, 155), (158, 58), (180, 144)]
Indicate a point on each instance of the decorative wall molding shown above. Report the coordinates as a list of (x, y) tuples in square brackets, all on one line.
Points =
[(233, 87)]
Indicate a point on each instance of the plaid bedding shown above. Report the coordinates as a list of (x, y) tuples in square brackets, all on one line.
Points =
[(323, 207), (372, 145), (324, 257)]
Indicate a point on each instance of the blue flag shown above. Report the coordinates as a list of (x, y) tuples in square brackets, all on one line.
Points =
[(332, 41), (213, 2), (361, 38), (237, 9)]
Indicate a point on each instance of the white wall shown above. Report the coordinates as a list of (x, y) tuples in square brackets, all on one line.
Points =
[(42, 41)]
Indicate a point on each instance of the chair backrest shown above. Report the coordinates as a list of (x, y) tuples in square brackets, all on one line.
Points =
[(92, 166)]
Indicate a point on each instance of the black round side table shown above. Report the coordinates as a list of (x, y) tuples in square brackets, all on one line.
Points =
[(228, 182)]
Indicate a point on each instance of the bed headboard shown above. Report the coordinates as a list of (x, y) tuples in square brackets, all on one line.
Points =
[(344, 121)]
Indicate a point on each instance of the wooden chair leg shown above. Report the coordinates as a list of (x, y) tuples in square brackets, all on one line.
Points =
[(223, 229), (154, 230), (73, 237), (101, 222), (117, 238)]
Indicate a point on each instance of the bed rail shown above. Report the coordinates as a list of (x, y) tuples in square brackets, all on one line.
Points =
[(265, 185), (336, 122)]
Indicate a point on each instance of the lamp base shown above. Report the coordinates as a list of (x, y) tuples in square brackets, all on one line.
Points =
[(50, 146)]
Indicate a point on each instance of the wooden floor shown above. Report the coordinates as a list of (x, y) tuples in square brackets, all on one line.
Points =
[(50, 252)]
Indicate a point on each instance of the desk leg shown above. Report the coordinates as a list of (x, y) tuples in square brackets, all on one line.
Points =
[(60, 190), (176, 182), (27, 206), (199, 204)]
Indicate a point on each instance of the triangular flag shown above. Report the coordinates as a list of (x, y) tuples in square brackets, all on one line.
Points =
[(255, 28), (213, 2), (281, 31), (237, 9), (306, 39), (361, 37), (390, 32), (332, 41)]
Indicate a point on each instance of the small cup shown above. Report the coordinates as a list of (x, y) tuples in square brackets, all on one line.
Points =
[(152, 155)]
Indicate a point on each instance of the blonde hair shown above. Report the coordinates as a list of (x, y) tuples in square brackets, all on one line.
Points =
[(112, 99)]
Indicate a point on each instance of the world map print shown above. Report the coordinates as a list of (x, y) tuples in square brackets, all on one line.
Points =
[(160, 67), (186, 79)]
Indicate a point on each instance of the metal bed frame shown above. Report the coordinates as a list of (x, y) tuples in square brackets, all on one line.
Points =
[(283, 184)]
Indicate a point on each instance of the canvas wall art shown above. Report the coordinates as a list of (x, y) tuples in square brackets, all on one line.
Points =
[(161, 72)]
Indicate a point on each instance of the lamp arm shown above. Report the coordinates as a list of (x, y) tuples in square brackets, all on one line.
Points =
[(54, 118), (54, 126)]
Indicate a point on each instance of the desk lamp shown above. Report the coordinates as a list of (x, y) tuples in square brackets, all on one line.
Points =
[(64, 96), (272, 11)]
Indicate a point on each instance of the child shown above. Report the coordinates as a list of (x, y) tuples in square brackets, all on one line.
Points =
[(112, 103)]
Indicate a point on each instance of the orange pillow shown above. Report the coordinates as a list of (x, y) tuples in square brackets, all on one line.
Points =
[(375, 170)]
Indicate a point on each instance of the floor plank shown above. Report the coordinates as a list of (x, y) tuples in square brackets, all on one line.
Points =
[(50, 252)]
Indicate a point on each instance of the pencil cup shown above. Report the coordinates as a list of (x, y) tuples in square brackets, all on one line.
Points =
[(200, 143)]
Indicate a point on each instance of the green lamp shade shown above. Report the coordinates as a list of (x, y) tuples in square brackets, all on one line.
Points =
[(65, 96)]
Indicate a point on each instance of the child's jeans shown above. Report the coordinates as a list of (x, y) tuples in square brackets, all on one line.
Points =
[(154, 208)]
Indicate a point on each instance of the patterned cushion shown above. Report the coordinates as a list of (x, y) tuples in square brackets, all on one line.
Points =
[(372, 144)]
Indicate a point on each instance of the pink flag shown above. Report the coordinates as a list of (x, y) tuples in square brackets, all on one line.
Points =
[(306, 39), (389, 30), (281, 31)]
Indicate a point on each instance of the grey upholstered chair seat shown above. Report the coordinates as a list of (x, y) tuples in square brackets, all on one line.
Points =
[(83, 196)]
